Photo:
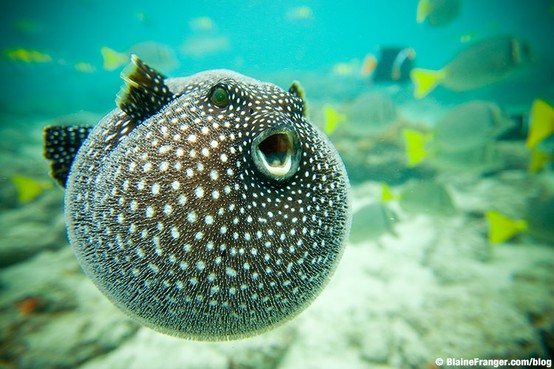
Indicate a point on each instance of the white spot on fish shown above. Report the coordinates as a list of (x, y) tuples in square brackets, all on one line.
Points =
[(175, 233)]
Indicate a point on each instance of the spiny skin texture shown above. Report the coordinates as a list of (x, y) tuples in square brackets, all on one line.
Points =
[(175, 224)]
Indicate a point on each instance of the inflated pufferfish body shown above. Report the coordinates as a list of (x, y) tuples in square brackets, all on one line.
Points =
[(208, 207)]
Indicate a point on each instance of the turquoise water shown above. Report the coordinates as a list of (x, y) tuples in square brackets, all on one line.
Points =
[(263, 37), (423, 277)]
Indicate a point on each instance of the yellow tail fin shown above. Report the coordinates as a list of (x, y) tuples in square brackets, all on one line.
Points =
[(541, 123), (502, 228), (538, 160), (332, 119), (386, 193), (425, 81), (28, 188), (423, 8), (113, 59), (415, 142)]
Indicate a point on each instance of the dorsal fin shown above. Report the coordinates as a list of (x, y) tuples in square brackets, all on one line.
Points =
[(297, 90), (144, 93), (61, 144)]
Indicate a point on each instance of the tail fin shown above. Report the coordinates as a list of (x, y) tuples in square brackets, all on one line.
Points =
[(332, 119), (538, 161), (386, 193), (502, 228), (28, 188), (423, 8), (415, 146), (541, 123), (425, 81), (113, 59)]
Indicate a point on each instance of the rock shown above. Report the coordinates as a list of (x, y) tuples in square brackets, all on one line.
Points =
[(263, 352), (73, 324), (31, 228), (375, 346)]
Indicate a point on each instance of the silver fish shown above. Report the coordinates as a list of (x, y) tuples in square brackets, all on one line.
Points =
[(206, 207)]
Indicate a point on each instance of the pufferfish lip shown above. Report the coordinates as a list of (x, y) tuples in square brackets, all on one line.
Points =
[(203, 218)]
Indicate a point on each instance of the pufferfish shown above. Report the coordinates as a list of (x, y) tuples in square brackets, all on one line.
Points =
[(205, 207)]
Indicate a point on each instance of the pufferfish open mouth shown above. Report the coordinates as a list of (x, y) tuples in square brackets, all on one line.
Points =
[(276, 153)]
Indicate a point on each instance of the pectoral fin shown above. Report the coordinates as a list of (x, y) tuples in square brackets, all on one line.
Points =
[(61, 144)]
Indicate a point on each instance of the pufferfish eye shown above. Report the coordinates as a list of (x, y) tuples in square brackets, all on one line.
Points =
[(219, 96), (276, 153)]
